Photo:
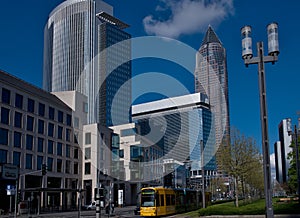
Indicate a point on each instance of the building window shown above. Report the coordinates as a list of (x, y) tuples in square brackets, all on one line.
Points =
[(3, 156), (3, 136), (60, 116), (41, 109), (50, 129), (41, 126), (40, 147), (69, 119), (29, 142), (68, 163), (5, 96), (50, 147), (76, 122), (87, 153), (28, 164), (30, 121), (30, 105), (49, 164), (68, 150), (51, 113), (59, 165), (68, 134), (88, 138), (16, 158), (59, 132), (75, 153), (85, 107), (87, 168), (39, 162), (19, 101), (59, 149), (17, 139), (4, 115), (76, 168), (121, 153), (18, 119), (76, 137)]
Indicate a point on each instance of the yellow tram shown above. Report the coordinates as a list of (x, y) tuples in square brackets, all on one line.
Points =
[(160, 201)]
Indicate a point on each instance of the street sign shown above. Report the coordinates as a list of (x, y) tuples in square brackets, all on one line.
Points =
[(10, 190), (9, 171)]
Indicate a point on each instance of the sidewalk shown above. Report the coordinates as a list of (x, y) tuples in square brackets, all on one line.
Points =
[(72, 214)]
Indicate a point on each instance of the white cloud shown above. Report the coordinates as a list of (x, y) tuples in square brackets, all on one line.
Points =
[(187, 16)]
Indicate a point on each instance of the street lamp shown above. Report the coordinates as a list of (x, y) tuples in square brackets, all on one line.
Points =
[(247, 55), (295, 139)]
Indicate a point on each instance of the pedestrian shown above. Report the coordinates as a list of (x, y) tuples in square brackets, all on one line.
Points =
[(107, 208), (112, 207)]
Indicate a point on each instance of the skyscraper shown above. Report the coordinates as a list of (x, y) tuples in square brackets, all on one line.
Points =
[(76, 38), (284, 148), (211, 78)]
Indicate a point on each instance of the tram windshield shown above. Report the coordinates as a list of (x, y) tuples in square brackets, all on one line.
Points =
[(147, 198)]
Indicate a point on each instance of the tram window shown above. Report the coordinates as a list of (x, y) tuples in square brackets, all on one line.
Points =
[(162, 202), (168, 200), (157, 200)]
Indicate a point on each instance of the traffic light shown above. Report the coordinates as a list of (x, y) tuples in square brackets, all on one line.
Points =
[(19, 197), (44, 169)]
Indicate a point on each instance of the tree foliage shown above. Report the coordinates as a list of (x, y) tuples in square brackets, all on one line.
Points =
[(242, 160), (292, 171)]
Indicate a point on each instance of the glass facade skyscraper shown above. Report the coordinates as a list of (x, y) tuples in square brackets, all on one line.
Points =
[(177, 125), (211, 78), (75, 39)]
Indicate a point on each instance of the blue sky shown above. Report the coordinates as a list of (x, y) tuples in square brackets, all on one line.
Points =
[(21, 47)]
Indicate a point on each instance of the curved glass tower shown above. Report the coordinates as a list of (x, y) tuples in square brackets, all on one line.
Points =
[(211, 78), (73, 39)]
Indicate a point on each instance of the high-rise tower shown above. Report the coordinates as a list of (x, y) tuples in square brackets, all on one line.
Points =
[(211, 78), (78, 56)]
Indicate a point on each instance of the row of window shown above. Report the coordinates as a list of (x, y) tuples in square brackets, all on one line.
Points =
[(19, 103), (30, 125), (61, 166), (30, 142)]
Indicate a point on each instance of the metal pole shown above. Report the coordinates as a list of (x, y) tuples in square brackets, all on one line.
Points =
[(264, 128), (202, 172), (16, 196)]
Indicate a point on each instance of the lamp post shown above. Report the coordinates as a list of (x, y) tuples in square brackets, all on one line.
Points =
[(273, 51), (202, 173), (295, 139)]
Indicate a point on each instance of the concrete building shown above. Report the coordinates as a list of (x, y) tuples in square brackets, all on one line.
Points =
[(97, 159), (138, 164), (36, 128)]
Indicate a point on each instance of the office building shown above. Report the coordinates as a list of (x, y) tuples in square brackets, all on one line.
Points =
[(78, 55), (211, 78), (278, 162), (178, 125), (285, 142), (36, 128)]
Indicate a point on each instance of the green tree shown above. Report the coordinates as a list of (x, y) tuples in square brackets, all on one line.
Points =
[(242, 160), (292, 171)]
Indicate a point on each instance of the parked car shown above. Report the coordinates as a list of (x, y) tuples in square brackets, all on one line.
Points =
[(91, 206)]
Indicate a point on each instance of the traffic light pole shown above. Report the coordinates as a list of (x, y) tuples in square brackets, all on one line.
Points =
[(16, 197)]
